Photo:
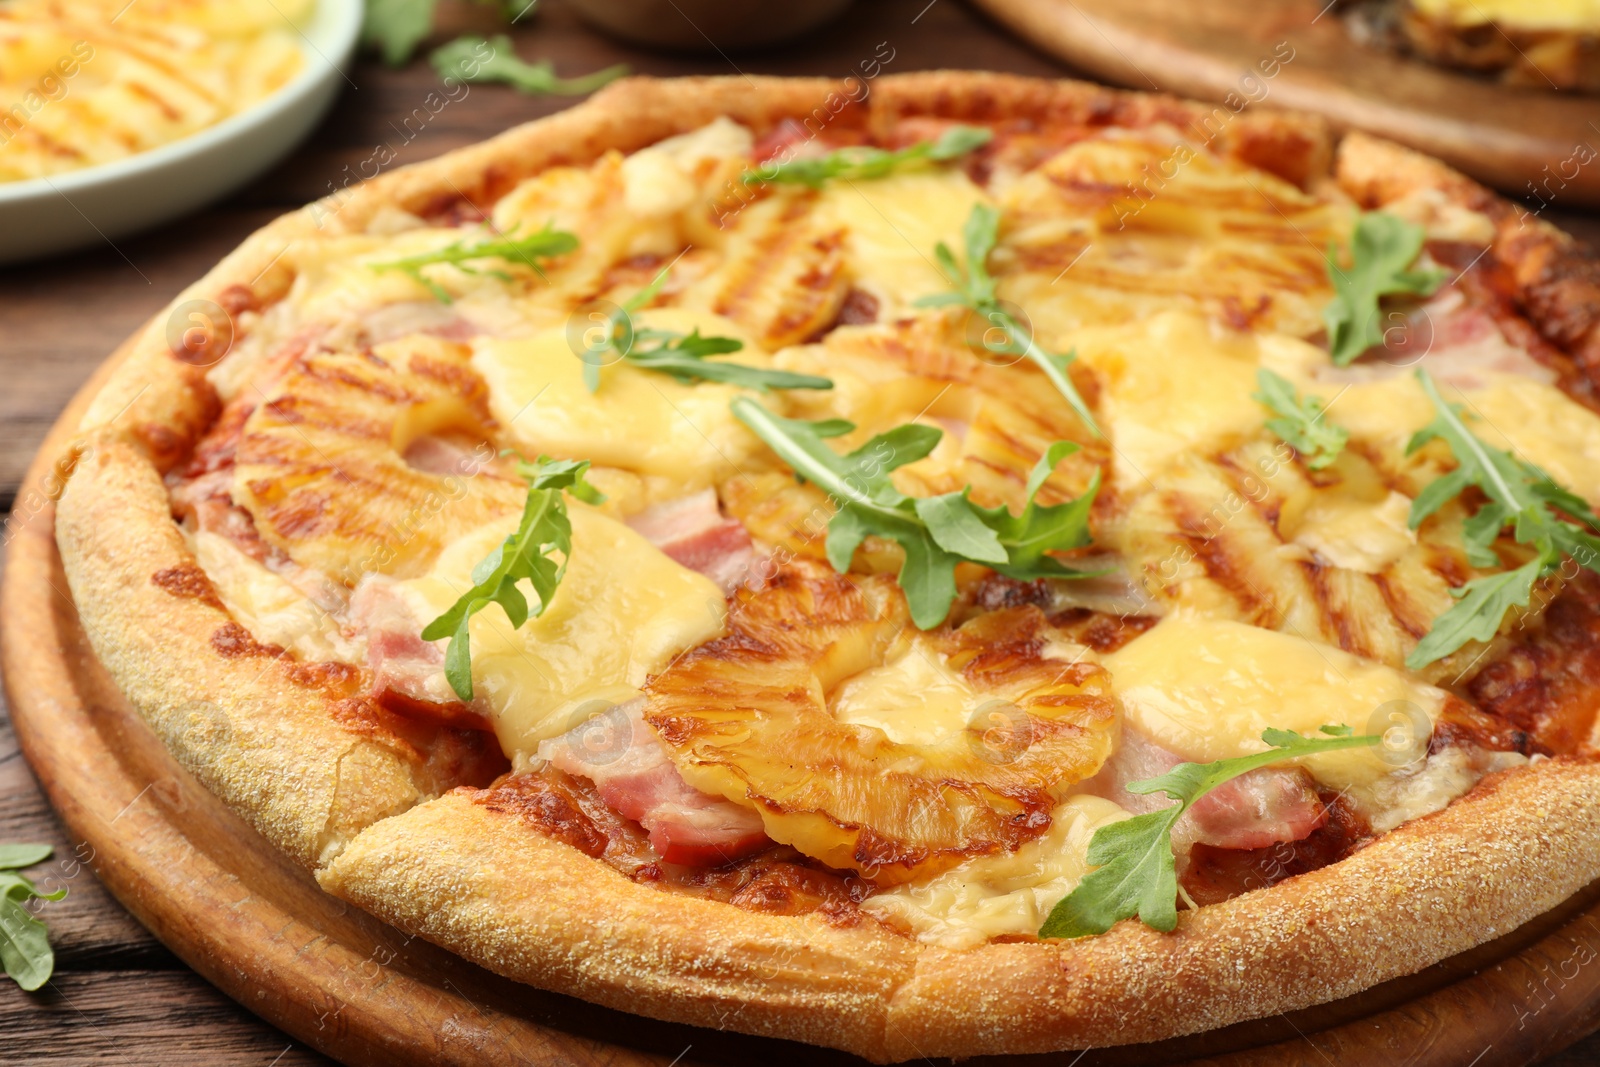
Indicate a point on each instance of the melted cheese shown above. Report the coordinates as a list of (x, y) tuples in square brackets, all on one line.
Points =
[(621, 613), (265, 603), (1008, 893), (893, 224), (1206, 689), (637, 421), (661, 180), (1174, 384), (1545, 427), (1582, 15), (1347, 531), (915, 699)]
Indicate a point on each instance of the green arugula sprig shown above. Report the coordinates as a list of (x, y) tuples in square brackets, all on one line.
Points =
[(478, 60), (526, 251), (864, 163), (683, 356), (24, 941), (1300, 422), (524, 555), (936, 532), (1539, 512), (975, 289), (1382, 249), (394, 28), (1136, 870)]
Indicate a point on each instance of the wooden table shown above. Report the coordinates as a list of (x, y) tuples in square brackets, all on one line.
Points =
[(118, 996)]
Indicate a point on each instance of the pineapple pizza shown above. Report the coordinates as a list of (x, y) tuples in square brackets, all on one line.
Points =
[(984, 565)]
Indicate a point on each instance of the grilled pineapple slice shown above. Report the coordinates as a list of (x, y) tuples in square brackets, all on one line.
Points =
[(321, 463), (1114, 229), (758, 716)]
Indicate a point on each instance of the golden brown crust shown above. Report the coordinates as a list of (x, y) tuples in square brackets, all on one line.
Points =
[(543, 913), (480, 883), (1557, 278), (258, 729)]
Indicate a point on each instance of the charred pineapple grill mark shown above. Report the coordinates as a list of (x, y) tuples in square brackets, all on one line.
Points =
[(1108, 231), (747, 717), (321, 464)]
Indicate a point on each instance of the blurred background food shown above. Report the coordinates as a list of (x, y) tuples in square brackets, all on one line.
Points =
[(84, 82), (1538, 44), (706, 25)]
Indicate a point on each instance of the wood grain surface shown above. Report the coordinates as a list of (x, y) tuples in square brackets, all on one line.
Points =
[(1299, 54), (119, 996)]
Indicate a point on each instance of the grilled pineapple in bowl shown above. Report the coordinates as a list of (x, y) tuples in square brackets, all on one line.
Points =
[(115, 116)]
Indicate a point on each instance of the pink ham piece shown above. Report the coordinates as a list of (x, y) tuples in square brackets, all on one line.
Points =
[(622, 755), (1263, 807), (693, 531), (407, 672)]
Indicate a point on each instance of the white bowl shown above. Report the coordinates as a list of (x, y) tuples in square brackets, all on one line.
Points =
[(52, 214)]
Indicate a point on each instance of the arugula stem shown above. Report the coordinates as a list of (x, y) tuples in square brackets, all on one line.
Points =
[(1501, 489)]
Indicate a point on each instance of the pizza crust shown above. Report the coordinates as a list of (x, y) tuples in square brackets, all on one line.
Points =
[(231, 712), (355, 807)]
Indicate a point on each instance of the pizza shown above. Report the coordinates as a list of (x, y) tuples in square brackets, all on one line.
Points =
[(942, 565), (1544, 44)]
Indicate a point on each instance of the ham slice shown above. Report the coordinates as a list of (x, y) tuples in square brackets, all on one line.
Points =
[(622, 755), (1464, 345), (407, 672), (693, 531), (1264, 807)]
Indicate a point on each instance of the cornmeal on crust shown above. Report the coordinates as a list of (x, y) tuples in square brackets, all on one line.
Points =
[(434, 827)]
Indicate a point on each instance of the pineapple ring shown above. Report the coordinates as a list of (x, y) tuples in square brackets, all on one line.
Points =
[(747, 717), (321, 464)]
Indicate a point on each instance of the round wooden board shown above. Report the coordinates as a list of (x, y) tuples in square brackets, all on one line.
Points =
[(367, 994), (1297, 54)]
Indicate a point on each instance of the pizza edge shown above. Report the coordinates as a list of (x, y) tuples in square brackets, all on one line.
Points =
[(270, 745)]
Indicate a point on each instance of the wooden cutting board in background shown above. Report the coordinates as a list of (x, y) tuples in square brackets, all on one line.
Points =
[(259, 928), (1544, 146)]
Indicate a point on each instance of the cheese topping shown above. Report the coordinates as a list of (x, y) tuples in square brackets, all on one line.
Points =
[(274, 611), (1176, 383), (1206, 689), (638, 420), (915, 699), (1348, 531), (893, 225), (621, 613), (1007, 893), (1582, 15)]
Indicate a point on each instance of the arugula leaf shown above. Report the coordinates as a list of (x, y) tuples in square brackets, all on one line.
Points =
[(1300, 421), (863, 162), (396, 27), (975, 289), (16, 857), (1539, 511), (24, 941), (1135, 869), (524, 555), (524, 250), (1382, 249), (935, 532), (479, 61), (683, 356)]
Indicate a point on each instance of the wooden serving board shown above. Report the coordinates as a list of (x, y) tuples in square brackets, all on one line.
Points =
[(258, 927), (1530, 143)]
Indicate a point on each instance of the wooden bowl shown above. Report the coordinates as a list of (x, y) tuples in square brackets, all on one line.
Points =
[(705, 25)]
